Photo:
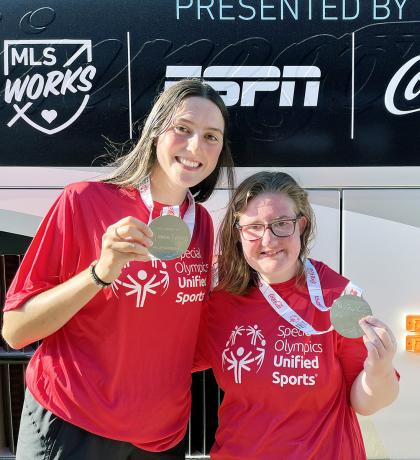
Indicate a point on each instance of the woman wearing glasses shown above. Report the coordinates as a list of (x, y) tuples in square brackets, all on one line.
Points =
[(292, 385)]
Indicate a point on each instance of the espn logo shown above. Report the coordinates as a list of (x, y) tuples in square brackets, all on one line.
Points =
[(242, 83)]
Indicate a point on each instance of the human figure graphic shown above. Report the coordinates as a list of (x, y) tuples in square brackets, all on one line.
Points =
[(241, 360), (255, 334), (142, 289), (237, 331), (238, 365)]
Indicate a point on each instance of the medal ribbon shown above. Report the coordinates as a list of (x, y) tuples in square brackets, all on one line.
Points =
[(189, 216), (314, 286), (286, 312), (353, 289)]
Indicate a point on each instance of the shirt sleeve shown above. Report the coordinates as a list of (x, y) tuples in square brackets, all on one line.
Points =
[(51, 257)]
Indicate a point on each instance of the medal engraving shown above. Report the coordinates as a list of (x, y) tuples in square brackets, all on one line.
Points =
[(171, 237)]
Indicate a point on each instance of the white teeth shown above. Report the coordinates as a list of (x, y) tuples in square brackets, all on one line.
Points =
[(189, 163)]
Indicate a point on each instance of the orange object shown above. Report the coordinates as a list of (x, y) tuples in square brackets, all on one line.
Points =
[(412, 343), (413, 323)]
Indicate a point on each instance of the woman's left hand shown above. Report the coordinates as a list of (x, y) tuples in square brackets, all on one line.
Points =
[(381, 346)]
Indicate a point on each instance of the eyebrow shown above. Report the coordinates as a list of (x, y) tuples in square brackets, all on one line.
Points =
[(283, 218), (272, 220), (186, 120)]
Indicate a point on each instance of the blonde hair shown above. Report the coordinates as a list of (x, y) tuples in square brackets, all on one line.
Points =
[(234, 273), (132, 168)]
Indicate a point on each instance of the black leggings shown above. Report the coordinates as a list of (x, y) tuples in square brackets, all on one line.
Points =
[(44, 436)]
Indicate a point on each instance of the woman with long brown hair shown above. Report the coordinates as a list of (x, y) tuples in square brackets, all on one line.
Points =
[(111, 379), (292, 384)]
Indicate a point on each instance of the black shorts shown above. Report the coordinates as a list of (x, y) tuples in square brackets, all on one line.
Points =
[(44, 436)]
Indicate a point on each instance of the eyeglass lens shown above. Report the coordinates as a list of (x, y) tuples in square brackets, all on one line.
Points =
[(279, 228)]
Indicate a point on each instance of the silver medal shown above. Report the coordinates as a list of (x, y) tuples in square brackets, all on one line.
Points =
[(345, 313), (171, 237)]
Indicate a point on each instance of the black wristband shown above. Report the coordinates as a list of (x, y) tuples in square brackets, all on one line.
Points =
[(96, 278)]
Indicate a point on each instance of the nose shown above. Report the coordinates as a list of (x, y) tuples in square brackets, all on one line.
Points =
[(268, 236), (194, 143)]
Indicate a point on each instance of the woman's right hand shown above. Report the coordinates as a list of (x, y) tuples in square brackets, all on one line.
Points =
[(125, 241)]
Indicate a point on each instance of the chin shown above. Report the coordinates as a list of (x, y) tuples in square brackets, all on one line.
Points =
[(191, 182), (280, 273)]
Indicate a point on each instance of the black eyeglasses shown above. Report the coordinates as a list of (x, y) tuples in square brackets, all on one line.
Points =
[(281, 228)]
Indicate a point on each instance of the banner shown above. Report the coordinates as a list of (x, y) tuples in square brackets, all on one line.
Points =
[(307, 82)]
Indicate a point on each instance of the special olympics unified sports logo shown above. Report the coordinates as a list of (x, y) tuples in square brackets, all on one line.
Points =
[(142, 284), (245, 351), (42, 74)]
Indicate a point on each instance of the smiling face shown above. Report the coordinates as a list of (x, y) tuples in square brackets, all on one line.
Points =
[(275, 258), (188, 151)]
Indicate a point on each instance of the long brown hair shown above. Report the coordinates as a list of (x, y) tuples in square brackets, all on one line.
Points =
[(132, 168), (234, 273)]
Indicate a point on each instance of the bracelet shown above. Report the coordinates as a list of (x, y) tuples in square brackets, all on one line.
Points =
[(95, 277)]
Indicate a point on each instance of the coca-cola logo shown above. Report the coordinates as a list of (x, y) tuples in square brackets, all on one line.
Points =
[(274, 300), (411, 91), (311, 277)]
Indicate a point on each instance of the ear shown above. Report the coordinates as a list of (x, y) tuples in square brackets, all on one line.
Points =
[(302, 222)]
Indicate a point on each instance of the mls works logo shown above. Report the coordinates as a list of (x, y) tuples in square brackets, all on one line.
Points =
[(47, 81), (245, 350)]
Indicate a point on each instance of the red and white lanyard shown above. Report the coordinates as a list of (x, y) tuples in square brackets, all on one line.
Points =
[(189, 216), (286, 312)]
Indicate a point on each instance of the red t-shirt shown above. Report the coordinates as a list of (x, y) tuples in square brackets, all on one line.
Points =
[(286, 393), (121, 367)]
